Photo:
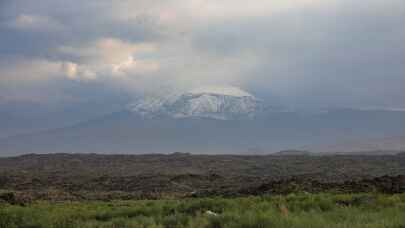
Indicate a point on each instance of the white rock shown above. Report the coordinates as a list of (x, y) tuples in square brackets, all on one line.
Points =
[(211, 213)]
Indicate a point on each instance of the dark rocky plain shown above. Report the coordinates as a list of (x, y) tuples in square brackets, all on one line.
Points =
[(77, 177)]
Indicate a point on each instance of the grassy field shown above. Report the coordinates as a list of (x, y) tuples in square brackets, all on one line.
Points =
[(295, 210)]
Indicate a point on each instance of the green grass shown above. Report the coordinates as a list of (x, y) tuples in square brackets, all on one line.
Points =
[(295, 210)]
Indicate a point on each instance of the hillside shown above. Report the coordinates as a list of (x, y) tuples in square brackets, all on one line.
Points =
[(271, 131)]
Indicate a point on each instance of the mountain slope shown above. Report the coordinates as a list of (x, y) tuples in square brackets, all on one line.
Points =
[(375, 145), (128, 132), (224, 103), (210, 120)]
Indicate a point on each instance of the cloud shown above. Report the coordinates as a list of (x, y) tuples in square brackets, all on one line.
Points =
[(110, 57), (305, 52), (319, 56), (34, 22), (70, 70), (35, 71), (30, 70), (108, 50), (75, 72), (132, 66), (188, 12)]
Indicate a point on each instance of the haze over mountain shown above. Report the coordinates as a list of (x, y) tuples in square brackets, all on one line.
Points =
[(211, 120), (368, 145)]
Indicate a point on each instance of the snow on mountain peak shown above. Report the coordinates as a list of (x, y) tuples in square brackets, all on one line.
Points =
[(222, 103)]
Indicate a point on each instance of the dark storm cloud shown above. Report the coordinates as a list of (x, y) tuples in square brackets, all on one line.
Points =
[(307, 52), (349, 54), (70, 23)]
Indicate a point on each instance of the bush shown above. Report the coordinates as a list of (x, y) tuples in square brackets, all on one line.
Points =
[(295, 210)]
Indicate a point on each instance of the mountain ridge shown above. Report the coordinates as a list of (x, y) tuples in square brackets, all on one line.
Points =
[(129, 133)]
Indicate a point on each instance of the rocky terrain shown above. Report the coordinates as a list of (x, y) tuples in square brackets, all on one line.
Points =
[(104, 177)]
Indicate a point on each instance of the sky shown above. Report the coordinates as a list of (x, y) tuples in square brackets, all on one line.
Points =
[(300, 53)]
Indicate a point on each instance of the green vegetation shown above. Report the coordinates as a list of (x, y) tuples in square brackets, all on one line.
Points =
[(294, 210)]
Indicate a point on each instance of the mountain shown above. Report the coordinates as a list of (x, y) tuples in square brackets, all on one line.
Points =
[(18, 117), (385, 145), (210, 121), (223, 103)]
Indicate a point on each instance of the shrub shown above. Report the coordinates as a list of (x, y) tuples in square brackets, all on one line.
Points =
[(295, 210)]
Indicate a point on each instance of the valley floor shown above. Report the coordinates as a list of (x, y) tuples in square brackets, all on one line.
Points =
[(90, 177), (293, 210)]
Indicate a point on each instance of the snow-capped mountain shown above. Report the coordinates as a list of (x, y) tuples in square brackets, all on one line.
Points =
[(223, 103), (216, 120)]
